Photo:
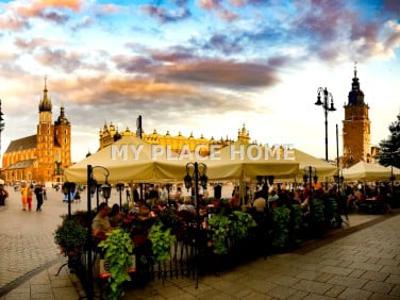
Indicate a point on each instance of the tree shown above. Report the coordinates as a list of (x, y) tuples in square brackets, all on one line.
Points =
[(390, 148)]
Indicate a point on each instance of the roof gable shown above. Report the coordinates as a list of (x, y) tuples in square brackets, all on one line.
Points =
[(26, 143)]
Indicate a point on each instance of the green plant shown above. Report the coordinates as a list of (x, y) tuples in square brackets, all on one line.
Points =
[(169, 219), (161, 241), (332, 215), (297, 215), (297, 219), (241, 223), (70, 236), (83, 217), (118, 254), (219, 226), (281, 219), (317, 212)]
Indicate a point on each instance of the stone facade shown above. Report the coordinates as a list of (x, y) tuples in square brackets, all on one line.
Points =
[(109, 133), (43, 156)]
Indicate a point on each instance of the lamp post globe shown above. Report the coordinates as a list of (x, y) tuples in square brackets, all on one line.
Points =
[(324, 102), (188, 181), (106, 191)]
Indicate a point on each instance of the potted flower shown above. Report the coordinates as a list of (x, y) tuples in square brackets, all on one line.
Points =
[(71, 237)]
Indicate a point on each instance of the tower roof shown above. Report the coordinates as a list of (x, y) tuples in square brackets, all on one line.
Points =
[(356, 95), (45, 104), (61, 118)]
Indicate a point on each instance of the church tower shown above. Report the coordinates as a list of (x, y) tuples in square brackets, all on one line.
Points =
[(45, 138), (62, 138), (356, 126)]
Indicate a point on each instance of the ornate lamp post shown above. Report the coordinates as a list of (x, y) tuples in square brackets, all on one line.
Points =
[(92, 186), (327, 97), (196, 171), (120, 188)]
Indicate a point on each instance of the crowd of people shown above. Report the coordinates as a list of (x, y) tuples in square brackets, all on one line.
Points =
[(27, 191), (258, 198)]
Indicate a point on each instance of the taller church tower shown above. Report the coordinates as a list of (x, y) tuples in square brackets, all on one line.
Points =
[(356, 126), (45, 138)]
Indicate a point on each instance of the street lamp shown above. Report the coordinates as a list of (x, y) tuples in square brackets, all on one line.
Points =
[(120, 188), (92, 186), (327, 97), (196, 171), (106, 191)]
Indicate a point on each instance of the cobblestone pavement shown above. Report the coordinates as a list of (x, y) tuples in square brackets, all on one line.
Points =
[(47, 286), (362, 265), (26, 238)]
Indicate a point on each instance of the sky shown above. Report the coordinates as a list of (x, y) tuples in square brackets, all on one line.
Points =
[(201, 66)]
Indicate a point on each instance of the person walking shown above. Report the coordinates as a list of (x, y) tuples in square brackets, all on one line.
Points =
[(39, 193), (24, 195), (3, 195), (29, 194)]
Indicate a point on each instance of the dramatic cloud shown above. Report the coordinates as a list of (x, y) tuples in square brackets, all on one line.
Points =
[(335, 30), (132, 64), (227, 15), (221, 43), (57, 58), (221, 11), (108, 8), (31, 44), (210, 4), (55, 17), (241, 3), (12, 23), (39, 5), (223, 73), (173, 54), (167, 15), (392, 7), (17, 13), (85, 22), (130, 92)]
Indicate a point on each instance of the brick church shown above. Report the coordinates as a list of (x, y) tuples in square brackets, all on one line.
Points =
[(357, 128), (41, 157)]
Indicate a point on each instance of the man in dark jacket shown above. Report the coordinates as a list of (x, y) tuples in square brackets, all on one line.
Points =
[(3, 195), (39, 197)]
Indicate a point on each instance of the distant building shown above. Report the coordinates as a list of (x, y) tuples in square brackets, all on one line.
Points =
[(41, 157), (109, 134), (356, 127)]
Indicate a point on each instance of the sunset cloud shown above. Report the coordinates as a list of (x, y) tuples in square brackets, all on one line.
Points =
[(224, 73), (164, 15)]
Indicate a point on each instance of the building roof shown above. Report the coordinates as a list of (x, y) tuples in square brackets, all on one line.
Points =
[(45, 104), (26, 143), (356, 95), (22, 164)]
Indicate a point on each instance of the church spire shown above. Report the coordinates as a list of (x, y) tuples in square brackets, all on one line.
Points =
[(62, 118), (356, 95), (355, 69), (45, 104)]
